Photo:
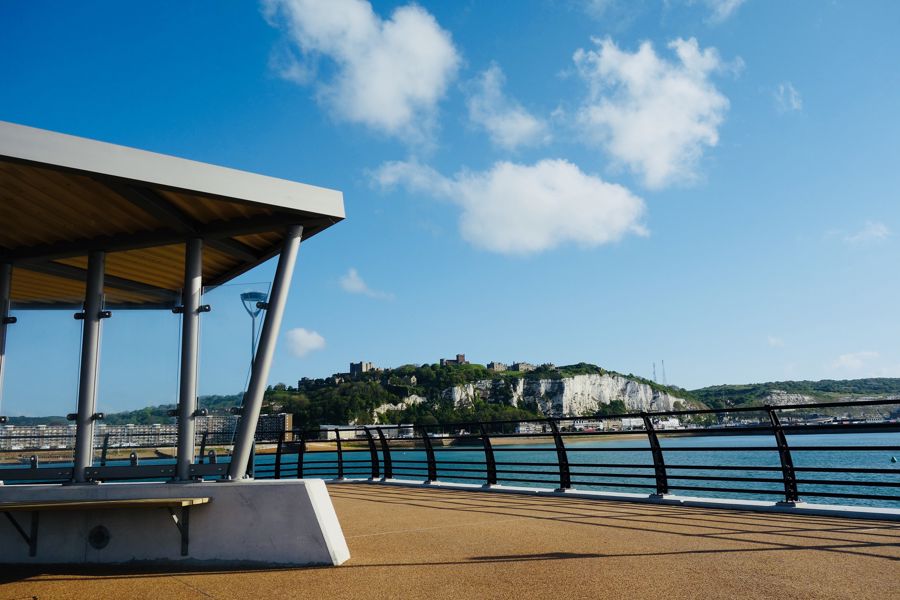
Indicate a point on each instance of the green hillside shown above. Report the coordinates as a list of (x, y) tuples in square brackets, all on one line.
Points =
[(340, 400), (722, 396), (343, 399)]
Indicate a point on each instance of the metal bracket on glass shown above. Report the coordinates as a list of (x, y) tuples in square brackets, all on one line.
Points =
[(103, 314)]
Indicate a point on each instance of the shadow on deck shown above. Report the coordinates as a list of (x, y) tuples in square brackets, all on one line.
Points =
[(440, 543)]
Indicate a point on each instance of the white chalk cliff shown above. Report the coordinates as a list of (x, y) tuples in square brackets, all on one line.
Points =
[(570, 396)]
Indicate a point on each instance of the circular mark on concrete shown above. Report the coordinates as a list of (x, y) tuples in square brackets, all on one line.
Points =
[(98, 537)]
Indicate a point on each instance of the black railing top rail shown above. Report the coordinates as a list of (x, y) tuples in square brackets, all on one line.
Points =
[(635, 415)]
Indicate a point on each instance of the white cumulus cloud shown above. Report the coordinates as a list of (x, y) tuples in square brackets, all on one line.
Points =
[(524, 209), (353, 283), (389, 74), (787, 98), (654, 115), (508, 124), (854, 361), (301, 342), (872, 231)]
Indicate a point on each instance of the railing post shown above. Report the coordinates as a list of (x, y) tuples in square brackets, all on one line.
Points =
[(300, 452), (340, 453), (791, 494), (489, 462), (104, 450), (202, 447), (659, 465), (565, 477), (251, 462), (386, 453), (429, 455), (278, 455), (373, 454)]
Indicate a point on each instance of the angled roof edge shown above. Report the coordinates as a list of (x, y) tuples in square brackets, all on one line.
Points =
[(43, 147)]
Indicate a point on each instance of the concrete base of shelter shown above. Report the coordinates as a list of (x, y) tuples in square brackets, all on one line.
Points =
[(245, 523), (797, 508)]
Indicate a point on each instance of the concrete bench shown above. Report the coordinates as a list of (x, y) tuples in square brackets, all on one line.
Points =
[(182, 520)]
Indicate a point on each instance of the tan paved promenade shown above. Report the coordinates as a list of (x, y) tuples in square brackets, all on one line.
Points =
[(421, 543)]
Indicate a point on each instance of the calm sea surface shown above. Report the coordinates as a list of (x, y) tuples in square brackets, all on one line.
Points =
[(636, 452), (410, 464)]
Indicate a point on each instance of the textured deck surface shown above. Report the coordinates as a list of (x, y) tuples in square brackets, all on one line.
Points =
[(430, 543)]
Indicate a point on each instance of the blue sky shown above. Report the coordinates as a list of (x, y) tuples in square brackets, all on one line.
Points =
[(712, 183)]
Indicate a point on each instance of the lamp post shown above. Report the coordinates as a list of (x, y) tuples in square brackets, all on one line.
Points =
[(253, 302)]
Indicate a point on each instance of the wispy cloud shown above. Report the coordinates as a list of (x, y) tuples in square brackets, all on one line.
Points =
[(787, 98), (720, 10), (872, 231), (775, 342), (507, 122), (389, 74), (353, 283), (854, 361), (301, 342), (654, 115), (525, 209)]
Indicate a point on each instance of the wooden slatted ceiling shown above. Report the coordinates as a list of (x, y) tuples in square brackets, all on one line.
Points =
[(45, 206), (62, 197), (39, 289), (205, 210), (161, 266), (259, 241)]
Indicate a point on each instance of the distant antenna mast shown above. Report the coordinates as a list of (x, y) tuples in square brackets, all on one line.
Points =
[(654, 370), (664, 373)]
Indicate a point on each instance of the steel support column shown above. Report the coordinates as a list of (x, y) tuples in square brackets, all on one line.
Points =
[(87, 378), (266, 349), (190, 346), (5, 319)]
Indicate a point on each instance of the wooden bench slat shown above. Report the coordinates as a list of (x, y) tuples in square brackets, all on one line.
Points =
[(103, 504)]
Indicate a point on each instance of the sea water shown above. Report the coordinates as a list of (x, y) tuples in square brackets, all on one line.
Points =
[(465, 464)]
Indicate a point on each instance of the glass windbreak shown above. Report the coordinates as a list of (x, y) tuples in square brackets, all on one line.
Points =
[(39, 388), (138, 388)]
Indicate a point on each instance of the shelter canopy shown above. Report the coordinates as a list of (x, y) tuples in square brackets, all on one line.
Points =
[(62, 197)]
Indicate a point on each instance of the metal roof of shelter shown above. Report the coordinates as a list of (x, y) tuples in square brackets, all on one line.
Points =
[(62, 197)]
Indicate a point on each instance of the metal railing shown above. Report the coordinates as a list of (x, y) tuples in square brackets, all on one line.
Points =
[(630, 453), (555, 453)]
